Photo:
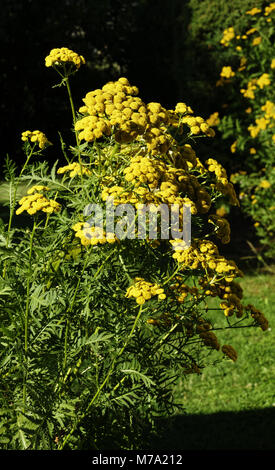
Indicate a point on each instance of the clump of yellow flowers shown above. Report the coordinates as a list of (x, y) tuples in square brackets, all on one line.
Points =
[(59, 57), (227, 72), (143, 290), (92, 235), (228, 35), (35, 136), (117, 108), (154, 168), (35, 201), (74, 169)]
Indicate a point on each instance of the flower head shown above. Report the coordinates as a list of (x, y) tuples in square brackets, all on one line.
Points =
[(74, 169), (256, 41), (263, 80), (227, 72), (269, 9), (35, 136), (36, 201), (253, 11), (89, 235), (143, 290), (228, 35), (62, 56)]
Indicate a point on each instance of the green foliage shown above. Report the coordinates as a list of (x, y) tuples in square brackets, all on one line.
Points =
[(248, 121), (211, 17), (84, 365)]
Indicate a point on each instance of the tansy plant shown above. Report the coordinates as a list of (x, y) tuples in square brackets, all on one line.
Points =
[(96, 328), (248, 120)]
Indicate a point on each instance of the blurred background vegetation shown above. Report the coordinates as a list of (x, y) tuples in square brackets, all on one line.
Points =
[(165, 47), (168, 48)]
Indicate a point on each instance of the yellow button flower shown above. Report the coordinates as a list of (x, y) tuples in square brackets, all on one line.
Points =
[(35, 136), (58, 57)]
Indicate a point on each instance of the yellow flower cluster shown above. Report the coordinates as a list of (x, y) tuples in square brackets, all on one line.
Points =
[(115, 105), (263, 80), (92, 127), (222, 184), (74, 169), (213, 119), (256, 41), (251, 31), (227, 72), (36, 201), (228, 35), (183, 108), (143, 290), (179, 187), (144, 170), (198, 125), (261, 124), (120, 195), (253, 11), (156, 136), (264, 184), (222, 227), (242, 65), (269, 109), (233, 146), (204, 254), (187, 158), (249, 91), (269, 9), (92, 235), (35, 136), (38, 187), (230, 304), (156, 182), (230, 293), (182, 290), (116, 108), (62, 56)]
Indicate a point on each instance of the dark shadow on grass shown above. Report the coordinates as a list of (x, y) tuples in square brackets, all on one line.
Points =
[(244, 430)]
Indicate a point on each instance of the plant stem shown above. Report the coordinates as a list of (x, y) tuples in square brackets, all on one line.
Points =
[(104, 381), (26, 325), (66, 80), (12, 205), (68, 312)]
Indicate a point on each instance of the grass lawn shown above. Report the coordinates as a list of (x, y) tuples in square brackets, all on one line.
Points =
[(232, 404)]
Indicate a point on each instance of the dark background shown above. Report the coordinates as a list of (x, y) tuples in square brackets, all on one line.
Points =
[(167, 48), (146, 41)]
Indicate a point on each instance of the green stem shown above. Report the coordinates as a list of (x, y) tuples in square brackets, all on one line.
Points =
[(12, 205), (68, 312), (172, 275), (125, 269), (66, 80), (104, 381), (26, 323)]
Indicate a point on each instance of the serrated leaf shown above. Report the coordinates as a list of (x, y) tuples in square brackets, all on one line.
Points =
[(99, 337), (146, 380)]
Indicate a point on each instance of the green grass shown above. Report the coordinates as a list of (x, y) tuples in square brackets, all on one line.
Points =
[(247, 383), (232, 405)]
